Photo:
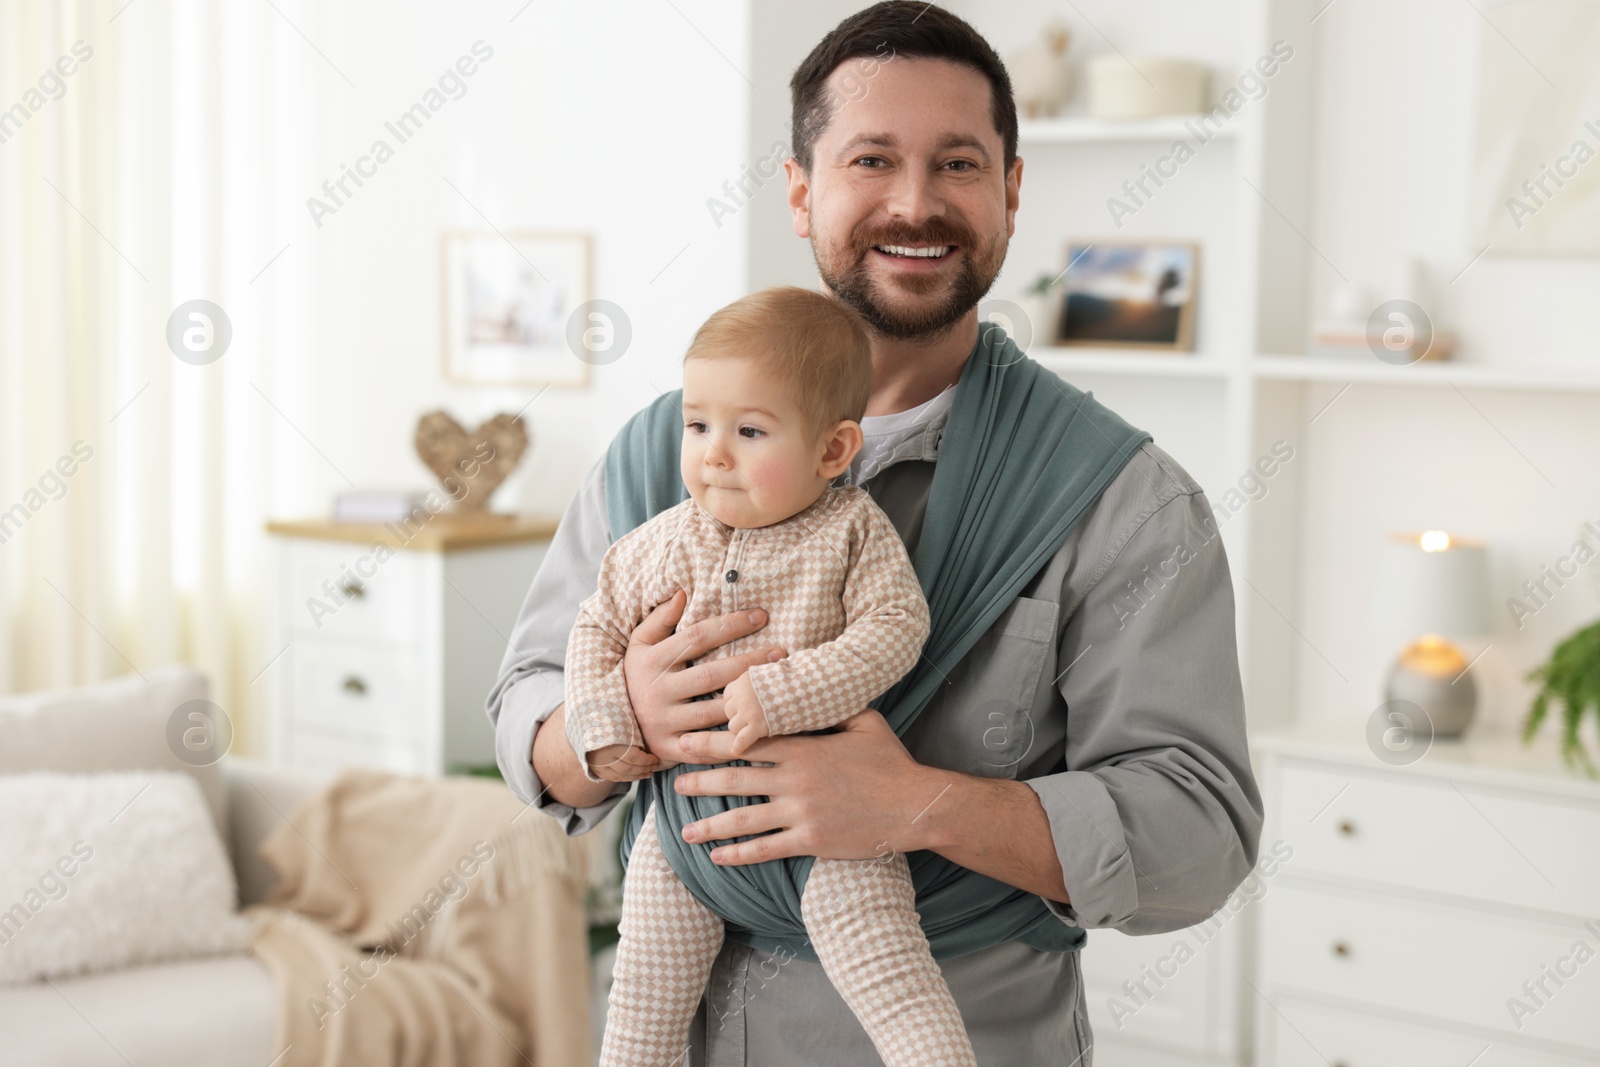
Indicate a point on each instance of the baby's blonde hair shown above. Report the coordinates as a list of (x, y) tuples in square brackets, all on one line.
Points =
[(812, 341)]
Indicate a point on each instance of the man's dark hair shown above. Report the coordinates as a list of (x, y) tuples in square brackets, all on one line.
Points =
[(902, 28)]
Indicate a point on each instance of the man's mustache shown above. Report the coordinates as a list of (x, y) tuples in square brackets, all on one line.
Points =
[(927, 235)]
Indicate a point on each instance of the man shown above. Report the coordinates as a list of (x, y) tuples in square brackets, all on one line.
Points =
[(1089, 748)]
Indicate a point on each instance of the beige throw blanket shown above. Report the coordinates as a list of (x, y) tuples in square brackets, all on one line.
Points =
[(426, 922)]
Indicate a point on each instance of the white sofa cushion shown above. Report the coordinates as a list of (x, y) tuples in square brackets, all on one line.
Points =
[(220, 1012), (119, 725), (110, 870)]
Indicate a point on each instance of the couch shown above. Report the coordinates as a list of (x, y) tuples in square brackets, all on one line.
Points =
[(217, 1012)]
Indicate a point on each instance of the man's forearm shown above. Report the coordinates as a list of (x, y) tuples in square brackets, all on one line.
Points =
[(557, 765), (962, 823)]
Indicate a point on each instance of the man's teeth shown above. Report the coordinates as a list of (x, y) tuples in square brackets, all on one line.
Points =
[(931, 252)]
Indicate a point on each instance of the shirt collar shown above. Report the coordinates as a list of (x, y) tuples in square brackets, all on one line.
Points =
[(923, 444)]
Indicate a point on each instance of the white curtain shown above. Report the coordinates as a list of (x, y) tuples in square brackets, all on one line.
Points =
[(133, 486)]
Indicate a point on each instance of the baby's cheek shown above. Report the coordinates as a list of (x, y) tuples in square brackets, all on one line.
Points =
[(775, 477)]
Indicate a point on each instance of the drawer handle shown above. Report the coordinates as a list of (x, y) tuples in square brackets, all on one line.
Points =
[(355, 686), (352, 588), (1347, 828), (1341, 949)]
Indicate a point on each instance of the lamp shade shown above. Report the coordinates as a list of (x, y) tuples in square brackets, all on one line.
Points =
[(1433, 583)]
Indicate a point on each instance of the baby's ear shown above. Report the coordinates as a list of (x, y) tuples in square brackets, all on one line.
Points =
[(842, 442)]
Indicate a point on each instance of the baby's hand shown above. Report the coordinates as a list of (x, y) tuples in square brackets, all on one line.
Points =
[(746, 721), (623, 763)]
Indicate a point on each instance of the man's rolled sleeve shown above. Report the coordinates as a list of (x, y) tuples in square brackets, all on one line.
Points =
[(1085, 826), (532, 678), (1157, 817), (523, 709)]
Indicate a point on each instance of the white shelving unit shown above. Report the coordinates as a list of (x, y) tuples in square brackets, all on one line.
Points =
[(1441, 374), (1069, 360), (1099, 131)]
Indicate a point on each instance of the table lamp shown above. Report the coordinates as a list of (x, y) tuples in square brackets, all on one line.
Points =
[(1435, 586)]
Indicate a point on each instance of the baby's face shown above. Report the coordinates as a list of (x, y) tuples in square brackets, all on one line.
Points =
[(746, 457)]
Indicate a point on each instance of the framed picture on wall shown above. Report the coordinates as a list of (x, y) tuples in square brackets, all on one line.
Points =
[(507, 300), (1130, 295)]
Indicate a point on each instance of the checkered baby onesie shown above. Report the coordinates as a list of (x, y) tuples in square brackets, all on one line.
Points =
[(842, 598)]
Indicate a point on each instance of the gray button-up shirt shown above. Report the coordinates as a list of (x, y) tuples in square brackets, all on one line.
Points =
[(1110, 687)]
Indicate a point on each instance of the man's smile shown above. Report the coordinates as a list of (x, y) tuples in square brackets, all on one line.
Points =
[(915, 257), (914, 251)]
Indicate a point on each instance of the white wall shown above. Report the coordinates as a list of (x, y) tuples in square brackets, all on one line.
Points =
[(572, 125), (781, 35)]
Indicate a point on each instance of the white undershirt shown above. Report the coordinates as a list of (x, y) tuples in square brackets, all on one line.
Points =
[(881, 433)]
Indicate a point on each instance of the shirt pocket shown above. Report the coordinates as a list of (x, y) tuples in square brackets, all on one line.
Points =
[(982, 724)]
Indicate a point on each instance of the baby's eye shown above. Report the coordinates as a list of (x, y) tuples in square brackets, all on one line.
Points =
[(697, 427), (751, 432)]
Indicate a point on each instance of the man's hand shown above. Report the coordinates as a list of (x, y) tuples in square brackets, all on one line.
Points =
[(747, 721), (661, 689), (622, 763), (845, 795), (856, 793)]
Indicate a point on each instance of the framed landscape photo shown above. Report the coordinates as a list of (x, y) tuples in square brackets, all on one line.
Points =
[(1130, 295), (507, 301)]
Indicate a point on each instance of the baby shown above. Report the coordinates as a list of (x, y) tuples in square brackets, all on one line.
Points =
[(774, 386)]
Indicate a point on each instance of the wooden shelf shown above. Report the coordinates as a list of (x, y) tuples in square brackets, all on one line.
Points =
[(441, 533), (1575, 377), (1090, 131)]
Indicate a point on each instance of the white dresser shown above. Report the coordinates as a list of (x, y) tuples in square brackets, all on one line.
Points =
[(1445, 912), (387, 639), (1171, 1000)]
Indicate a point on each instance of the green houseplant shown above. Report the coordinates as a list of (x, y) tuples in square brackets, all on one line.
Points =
[(1571, 678)]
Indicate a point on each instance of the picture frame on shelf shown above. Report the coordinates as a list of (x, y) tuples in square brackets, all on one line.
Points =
[(505, 304), (1137, 295)]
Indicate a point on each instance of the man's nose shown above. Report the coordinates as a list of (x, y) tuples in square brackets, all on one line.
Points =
[(912, 197)]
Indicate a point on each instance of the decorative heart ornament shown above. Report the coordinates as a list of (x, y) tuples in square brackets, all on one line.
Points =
[(471, 466)]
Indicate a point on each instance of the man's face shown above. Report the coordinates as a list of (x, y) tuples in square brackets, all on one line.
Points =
[(912, 164)]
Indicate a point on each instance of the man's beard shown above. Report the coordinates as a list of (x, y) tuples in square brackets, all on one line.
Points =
[(966, 279)]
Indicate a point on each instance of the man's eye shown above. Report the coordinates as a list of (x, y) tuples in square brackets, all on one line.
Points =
[(966, 164), (871, 159)]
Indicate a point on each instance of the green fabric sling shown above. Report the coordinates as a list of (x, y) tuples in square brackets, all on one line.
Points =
[(1022, 458)]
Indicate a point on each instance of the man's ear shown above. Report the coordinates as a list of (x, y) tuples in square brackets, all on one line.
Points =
[(799, 196), (843, 441), (1013, 196)]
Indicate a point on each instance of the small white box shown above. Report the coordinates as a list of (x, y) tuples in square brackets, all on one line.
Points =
[(1146, 87)]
